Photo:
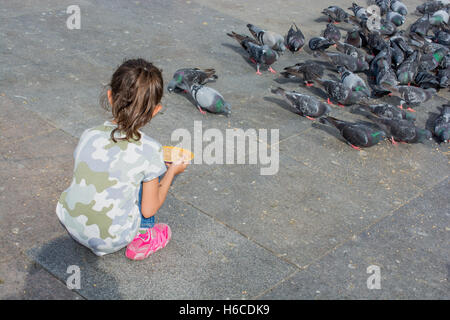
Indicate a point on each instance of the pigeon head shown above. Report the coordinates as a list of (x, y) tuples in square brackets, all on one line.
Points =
[(341, 69), (423, 134), (176, 80), (444, 135), (378, 136)]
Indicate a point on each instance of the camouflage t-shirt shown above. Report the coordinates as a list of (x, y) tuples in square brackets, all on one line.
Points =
[(100, 208)]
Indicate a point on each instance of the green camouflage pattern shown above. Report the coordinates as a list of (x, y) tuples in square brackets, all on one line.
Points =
[(100, 208)]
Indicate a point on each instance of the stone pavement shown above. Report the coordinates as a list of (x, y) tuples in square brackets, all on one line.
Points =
[(308, 232)]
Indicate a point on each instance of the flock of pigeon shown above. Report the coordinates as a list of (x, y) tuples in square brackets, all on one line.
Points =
[(409, 64)]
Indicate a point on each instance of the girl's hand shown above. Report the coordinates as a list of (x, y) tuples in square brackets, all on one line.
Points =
[(178, 166)]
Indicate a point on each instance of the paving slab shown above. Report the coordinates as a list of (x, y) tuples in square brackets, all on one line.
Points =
[(410, 247), (21, 278), (204, 260)]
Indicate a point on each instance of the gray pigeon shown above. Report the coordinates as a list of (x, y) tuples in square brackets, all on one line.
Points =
[(354, 38), (421, 26), (439, 17), (398, 56), (272, 39), (340, 59), (430, 7), (407, 71), (320, 43), (402, 130), (309, 70), (258, 54), (385, 75), (353, 51), (335, 14), (307, 106), (395, 18), (183, 79), (340, 94), (353, 81), (357, 134), (388, 111), (442, 125), (399, 7), (412, 95), (359, 12), (295, 40), (382, 4), (442, 37), (332, 33), (427, 80), (209, 99), (431, 61)]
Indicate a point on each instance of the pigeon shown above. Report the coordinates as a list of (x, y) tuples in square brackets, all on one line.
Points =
[(442, 37), (427, 80), (442, 125), (309, 70), (402, 42), (398, 56), (209, 99), (353, 51), (402, 130), (332, 33), (396, 18), (354, 38), (387, 27), (183, 79), (351, 63), (444, 76), (384, 6), (258, 54), (375, 42), (336, 14), (406, 72), (421, 26), (339, 93), (384, 74), (272, 39), (352, 81), (412, 95), (307, 106), (359, 12), (388, 111), (439, 17), (320, 43), (431, 61), (399, 7), (295, 39), (357, 134), (430, 7)]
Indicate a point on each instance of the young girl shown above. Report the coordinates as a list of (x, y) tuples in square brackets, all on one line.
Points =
[(116, 190)]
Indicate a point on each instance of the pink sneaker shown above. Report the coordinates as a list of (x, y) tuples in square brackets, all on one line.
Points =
[(149, 242)]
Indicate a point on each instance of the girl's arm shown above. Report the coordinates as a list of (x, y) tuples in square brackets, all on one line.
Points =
[(154, 192)]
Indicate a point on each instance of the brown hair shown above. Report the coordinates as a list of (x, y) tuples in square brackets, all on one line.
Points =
[(136, 89)]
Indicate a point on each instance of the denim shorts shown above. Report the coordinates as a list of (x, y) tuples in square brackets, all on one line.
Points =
[(145, 222)]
